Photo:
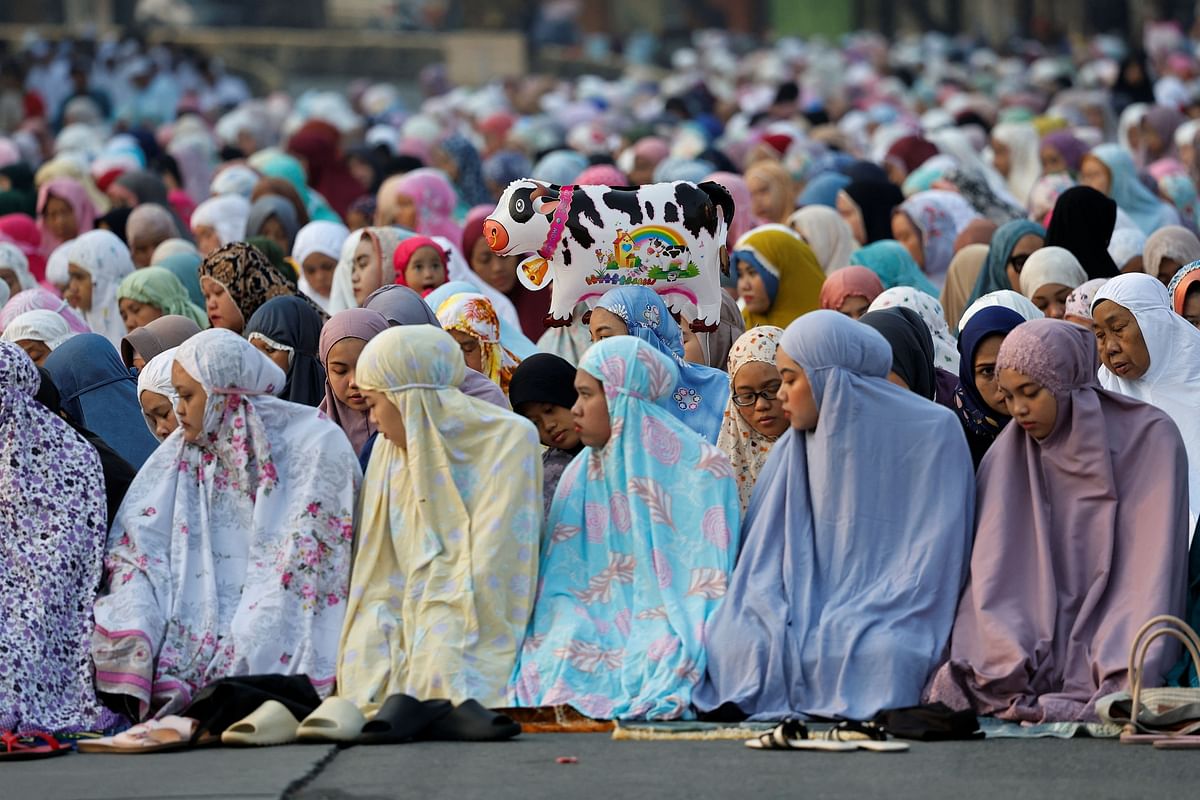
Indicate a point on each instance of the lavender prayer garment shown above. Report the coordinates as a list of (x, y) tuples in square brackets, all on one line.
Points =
[(1081, 537)]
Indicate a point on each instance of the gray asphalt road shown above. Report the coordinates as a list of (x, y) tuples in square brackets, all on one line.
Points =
[(526, 769)]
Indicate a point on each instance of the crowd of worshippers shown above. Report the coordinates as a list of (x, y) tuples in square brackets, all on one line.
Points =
[(270, 404)]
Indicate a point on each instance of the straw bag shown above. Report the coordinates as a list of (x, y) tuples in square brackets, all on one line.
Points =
[(1160, 712)]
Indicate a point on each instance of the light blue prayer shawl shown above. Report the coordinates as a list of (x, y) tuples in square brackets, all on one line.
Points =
[(854, 548)]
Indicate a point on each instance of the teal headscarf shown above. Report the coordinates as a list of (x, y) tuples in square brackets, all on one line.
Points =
[(994, 275), (186, 267), (274, 163), (894, 265)]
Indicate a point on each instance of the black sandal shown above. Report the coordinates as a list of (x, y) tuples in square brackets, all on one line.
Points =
[(471, 722), (403, 718)]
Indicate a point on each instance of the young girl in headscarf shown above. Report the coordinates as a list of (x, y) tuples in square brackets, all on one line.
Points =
[(274, 218), (55, 526), (157, 396), (1082, 480), (148, 226), (1048, 277), (422, 201), (14, 270), (977, 398), (220, 221), (420, 264), (472, 321), (64, 212), (316, 251), (754, 418), (373, 260), (698, 399), (640, 544), (40, 299), (542, 390), (152, 292), (779, 277), (342, 341), (1110, 170), (264, 585), (819, 598), (98, 262), (236, 280), (927, 224), (850, 290), (467, 475), (39, 333), (287, 330)]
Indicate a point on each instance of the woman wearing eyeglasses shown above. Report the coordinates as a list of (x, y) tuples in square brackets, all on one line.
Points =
[(754, 416)]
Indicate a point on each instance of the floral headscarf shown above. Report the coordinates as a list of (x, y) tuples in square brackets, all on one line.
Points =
[(469, 180), (746, 448), (473, 315), (1079, 301), (939, 216), (945, 349), (700, 396), (269, 593), (639, 547), (54, 520)]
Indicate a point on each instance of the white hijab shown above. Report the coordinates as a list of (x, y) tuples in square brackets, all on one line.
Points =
[(827, 234), (1173, 381), (155, 377), (1002, 297), (226, 214), (107, 260), (322, 237), (43, 326), (1051, 265)]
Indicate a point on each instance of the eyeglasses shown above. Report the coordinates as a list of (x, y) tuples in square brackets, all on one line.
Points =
[(769, 393), (1018, 262)]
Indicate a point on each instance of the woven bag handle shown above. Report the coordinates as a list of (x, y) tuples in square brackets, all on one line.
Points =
[(1141, 647)]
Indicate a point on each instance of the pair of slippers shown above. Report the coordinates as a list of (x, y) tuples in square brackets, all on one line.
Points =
[(846, 737), (401, 719)]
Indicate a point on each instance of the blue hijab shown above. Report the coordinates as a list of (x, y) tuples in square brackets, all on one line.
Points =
[(822, 190), (700, 397), (894, 265), (98, 392), (976, 414), (186, 267), (994, 275), (1130, 195), (638, 551), (850, 570)]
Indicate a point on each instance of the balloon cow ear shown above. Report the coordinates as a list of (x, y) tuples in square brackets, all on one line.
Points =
[(545, 200)]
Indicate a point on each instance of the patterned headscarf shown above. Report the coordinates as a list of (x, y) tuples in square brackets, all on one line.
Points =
[(54, 492), (247, 275), (746, 448), (945, 349), (473, 315), (469, 478), (469, 180), (639, 548), (1183, 280), (939, 216), (1079, 301), (267, 492), (700, 396)]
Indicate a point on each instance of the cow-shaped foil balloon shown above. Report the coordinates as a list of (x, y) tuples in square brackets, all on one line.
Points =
[(589, 239)]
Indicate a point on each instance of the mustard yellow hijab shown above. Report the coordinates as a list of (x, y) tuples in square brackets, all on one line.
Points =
[(789, 270)]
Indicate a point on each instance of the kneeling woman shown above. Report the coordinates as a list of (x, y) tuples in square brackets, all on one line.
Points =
[(640, 542), (448, 527), (1082, 536), (850, 568), (231, 552)]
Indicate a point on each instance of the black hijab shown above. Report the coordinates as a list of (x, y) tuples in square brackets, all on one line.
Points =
[(876, 200), (1083, 222), (912, 346)]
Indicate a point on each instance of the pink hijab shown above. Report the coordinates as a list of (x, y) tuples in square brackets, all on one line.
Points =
[(849, 282), (353, 323), (435, 199), (602, 175), (1080, 538), (76, 196)]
